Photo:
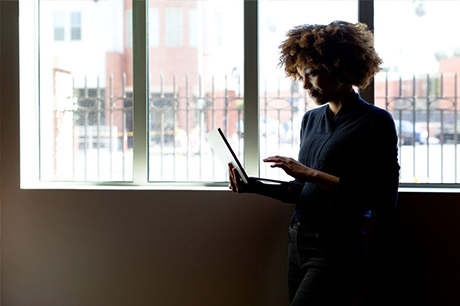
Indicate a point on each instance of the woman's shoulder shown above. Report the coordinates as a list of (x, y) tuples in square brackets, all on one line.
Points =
[(374, 112), (382, 114), (379, 119)]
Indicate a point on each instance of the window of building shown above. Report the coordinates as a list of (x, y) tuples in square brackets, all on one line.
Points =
[(75, 26), (59, 26), (154, 27), (217, 29), (129, 28), (193, 28), (174, 27), (88, 98)]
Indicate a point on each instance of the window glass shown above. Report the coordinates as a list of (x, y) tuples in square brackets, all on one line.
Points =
[(282, 103), (419, 84), (85, 92), (194, 89)]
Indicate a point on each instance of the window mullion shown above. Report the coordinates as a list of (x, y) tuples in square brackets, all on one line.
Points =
[(251, 88), (366, 15), (140, 157)]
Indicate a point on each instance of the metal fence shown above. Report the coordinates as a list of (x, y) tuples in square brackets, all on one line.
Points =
[(424, 109)]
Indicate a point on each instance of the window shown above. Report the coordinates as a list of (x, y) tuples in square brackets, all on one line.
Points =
[(84, 104), (154, 27), (281, 103), (174, 27), (59, 26), (129, 28), (217, 28), (193, 28), (75, 27), (419, 85), (190, 66), (189, 93)]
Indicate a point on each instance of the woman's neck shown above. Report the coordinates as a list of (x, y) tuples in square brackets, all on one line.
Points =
[(336, 104)]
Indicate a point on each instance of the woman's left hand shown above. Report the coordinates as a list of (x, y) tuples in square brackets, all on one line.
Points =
[(292, 167)]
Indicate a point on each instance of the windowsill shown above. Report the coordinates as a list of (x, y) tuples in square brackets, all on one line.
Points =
[(221, 186), (425, 189), (126, 186)]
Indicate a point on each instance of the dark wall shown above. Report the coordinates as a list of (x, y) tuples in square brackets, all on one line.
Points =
[(416, 252), (88, 247)]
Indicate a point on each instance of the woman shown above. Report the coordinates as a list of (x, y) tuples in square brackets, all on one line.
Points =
[(347, 162)]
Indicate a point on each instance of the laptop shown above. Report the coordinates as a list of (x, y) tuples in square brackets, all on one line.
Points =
[(225, 153)]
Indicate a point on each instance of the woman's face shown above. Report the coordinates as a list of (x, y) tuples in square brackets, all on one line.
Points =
[(320, 86)]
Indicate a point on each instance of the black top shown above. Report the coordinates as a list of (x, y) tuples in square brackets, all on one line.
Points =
[(358, 145)]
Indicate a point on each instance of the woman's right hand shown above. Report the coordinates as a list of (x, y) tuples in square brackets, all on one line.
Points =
[(280, 192)]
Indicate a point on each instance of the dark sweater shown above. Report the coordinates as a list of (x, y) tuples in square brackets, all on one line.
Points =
[(358, 145)]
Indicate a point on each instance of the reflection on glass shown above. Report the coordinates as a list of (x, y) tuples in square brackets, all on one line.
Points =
[(85, 91), (195, 85)]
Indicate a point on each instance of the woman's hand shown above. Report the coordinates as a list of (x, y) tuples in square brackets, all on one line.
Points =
[(303, 173), (292, 167), (236, 183)]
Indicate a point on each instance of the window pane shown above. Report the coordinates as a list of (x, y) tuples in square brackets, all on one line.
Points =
[(418, 43), (194, 87), (85, 92), (282, 104)]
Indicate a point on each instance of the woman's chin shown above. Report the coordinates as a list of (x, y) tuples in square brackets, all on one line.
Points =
[(317, 100)]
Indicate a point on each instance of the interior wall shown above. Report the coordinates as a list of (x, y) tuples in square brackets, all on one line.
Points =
[(142, 248), (64, 247)]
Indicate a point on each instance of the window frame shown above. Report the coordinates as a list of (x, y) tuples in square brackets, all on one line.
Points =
[(29, 74)]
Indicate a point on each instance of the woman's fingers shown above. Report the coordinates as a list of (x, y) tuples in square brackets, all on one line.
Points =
[(234, 179), (278, 161), (231, 177)]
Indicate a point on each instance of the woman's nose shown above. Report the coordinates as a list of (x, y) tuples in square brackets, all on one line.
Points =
[(306, 85)]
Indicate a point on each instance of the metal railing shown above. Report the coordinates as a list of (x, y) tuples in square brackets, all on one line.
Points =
[(425, 112)]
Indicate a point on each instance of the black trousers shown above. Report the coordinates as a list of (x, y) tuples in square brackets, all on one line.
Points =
[(325, 269)]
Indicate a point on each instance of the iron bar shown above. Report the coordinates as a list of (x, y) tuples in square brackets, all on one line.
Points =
[(98, 128), (455, 129), (111, 144), (187, 123), (428, 107)]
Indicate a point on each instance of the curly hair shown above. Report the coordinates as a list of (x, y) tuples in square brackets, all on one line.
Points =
[(345, 50)]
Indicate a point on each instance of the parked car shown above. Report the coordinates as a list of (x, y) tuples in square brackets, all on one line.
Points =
[(447, 133), (405, 131)]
